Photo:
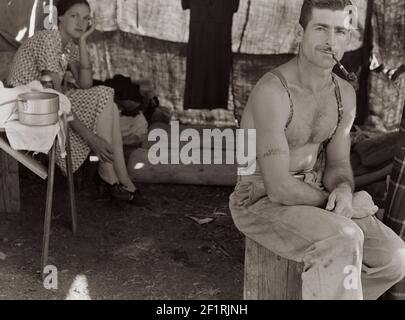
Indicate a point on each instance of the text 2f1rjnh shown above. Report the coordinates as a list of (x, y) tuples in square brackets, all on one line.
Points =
[(209, 309)]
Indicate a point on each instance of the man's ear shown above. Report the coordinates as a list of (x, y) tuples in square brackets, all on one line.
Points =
[(348, 40), (350, 37), (299, 32)]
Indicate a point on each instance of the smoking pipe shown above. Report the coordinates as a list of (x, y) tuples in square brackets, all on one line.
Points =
[(349, 75)]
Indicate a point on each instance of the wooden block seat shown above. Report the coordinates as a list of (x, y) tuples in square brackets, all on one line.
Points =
[(267, 276)]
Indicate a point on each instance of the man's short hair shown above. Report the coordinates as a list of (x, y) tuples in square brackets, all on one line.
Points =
[(309, 5)]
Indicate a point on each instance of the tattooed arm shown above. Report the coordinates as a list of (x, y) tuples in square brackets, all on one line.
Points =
[(270, 107)]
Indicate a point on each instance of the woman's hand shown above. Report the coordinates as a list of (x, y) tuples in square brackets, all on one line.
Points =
[(101, 148), (87, 33)]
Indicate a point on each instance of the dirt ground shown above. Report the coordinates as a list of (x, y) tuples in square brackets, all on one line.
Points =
[(120, 251)]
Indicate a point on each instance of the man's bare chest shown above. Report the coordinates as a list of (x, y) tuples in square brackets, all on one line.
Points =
[(314, 119)]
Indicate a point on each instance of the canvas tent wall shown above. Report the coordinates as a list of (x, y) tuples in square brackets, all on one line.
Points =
[(262, 31), (148, 38)]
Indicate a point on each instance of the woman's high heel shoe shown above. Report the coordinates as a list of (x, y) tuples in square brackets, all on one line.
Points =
[(137, 199), (114, 190)]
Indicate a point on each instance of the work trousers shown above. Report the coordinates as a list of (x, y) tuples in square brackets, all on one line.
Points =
[(344, 259)]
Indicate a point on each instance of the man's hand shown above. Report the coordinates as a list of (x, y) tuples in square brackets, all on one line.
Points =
[(341, 202), (363, 205), (102, 149)]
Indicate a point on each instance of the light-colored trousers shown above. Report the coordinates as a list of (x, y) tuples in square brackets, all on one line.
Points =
[(344, 259)]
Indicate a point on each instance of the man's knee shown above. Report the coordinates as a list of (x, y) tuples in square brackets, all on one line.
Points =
[(350, 235), (396, 267)]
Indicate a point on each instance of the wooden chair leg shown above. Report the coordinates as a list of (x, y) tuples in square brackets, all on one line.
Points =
[(70, 179), (9, 184), (48, 208)]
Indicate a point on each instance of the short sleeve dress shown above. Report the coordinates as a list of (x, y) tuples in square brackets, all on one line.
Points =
[(44, 52)]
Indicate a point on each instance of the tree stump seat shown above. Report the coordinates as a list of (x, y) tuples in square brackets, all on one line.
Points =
[(269, 276)]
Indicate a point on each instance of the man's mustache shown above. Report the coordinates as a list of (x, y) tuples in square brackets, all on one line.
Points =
[(328, 50)]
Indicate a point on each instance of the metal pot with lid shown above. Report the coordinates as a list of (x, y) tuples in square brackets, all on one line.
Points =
[(38, 108)]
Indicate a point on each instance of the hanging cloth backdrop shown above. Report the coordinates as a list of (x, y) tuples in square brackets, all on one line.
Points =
[(106, 14), (269, 30), (157, 31), (269, 24), (209, 53), (387, 97)]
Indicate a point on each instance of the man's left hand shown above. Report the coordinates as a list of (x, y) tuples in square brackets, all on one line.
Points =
[(363, 205), (341, 202)]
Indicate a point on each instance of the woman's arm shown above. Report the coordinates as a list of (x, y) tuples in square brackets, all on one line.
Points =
[(82, 71), (85, 69)]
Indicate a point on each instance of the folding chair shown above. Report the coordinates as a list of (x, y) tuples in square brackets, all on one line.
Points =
[(44, 173)]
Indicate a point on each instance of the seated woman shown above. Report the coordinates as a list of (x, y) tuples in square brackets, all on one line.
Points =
[(96, 118)]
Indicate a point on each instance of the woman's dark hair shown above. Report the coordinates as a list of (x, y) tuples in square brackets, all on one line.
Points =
[(65, 5), (309, 5)]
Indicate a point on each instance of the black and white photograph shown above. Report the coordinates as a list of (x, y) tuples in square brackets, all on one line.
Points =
[(214, 152)]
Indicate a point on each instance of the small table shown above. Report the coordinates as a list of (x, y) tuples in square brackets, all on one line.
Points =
[(10, 182)]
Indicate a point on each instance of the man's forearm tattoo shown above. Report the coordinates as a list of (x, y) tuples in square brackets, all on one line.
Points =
[(275, 152)]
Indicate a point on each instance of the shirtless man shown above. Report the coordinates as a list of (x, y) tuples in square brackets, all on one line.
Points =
[(295, 207)]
